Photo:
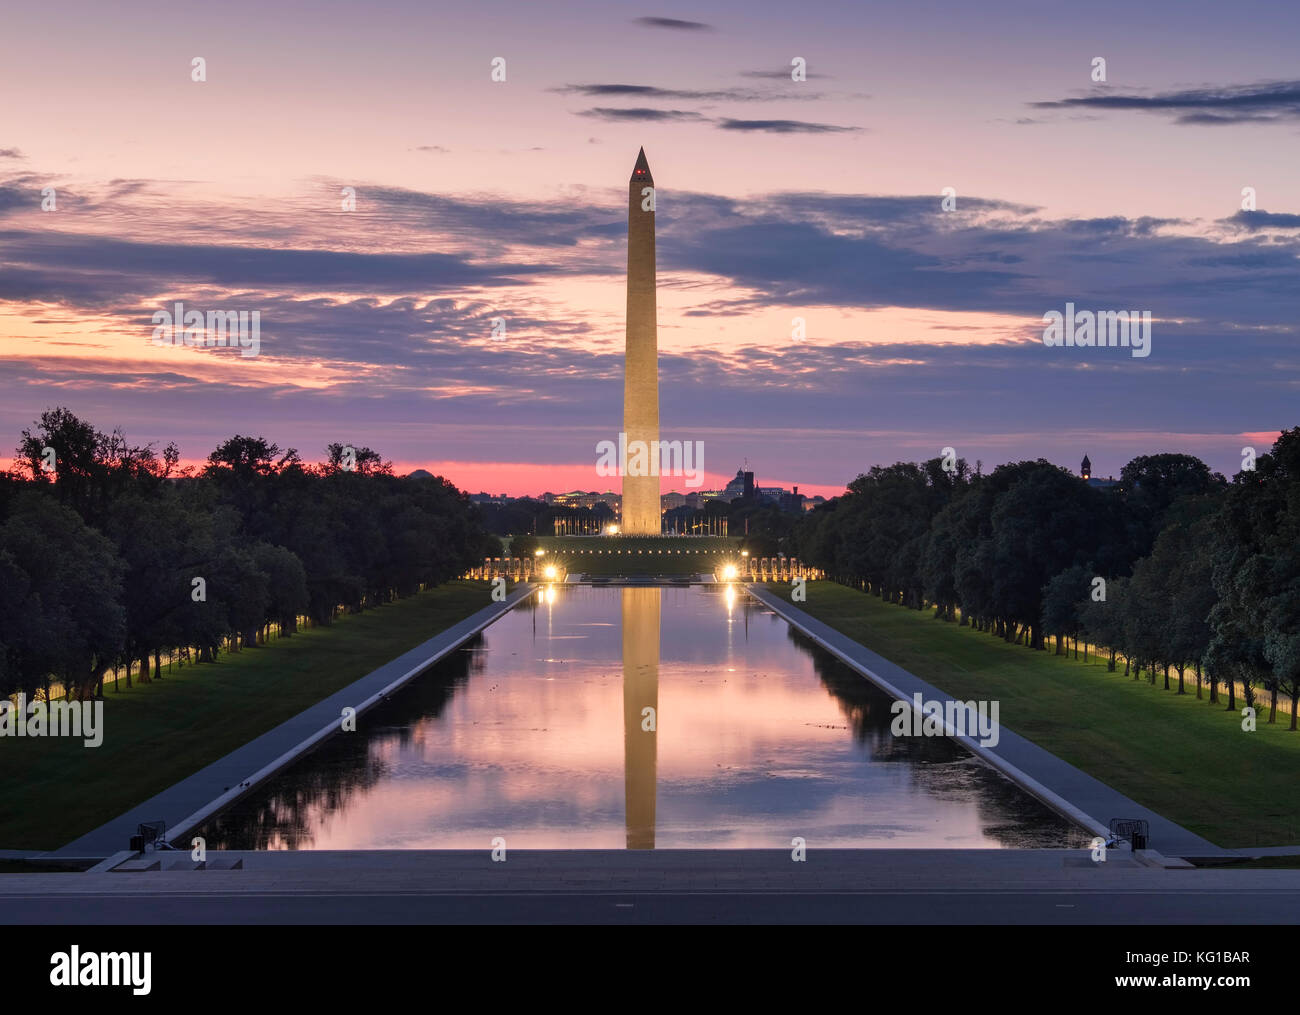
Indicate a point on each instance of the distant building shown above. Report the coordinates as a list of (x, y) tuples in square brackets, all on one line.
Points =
[(792, 501), (672, 500), (573, 498), (584, 499), (740, 487), (1085, 473)]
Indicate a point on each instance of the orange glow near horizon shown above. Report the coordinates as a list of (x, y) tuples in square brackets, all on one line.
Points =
[(526, 479)]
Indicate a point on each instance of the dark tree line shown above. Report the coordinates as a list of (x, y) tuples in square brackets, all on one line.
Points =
[(1174, 568), (116, 558)]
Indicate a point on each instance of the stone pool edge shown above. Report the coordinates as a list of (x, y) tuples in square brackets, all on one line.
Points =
[(1169, 838), (216, 786)]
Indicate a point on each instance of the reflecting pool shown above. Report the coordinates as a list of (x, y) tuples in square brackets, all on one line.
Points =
[(687, 717)]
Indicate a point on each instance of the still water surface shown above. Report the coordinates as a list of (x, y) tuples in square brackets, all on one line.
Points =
[(534, 731)]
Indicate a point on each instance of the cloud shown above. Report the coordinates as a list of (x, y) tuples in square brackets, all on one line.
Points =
[(644, 92), (432, 148), (784, 127), (1255, 220), (488, 225), (23, 192), (686, 94), (13, 198), (642, 114), (62, 267), (11, 153), (421, 388), (119, 189), (1265, 102), (395, 339), (779, 75), (801, 248), (646, 114), (674, 23)]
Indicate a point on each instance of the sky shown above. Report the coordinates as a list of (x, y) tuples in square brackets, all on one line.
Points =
[(777, 201)]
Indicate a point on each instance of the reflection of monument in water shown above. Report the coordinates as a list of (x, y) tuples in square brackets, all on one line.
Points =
[(640, 692)]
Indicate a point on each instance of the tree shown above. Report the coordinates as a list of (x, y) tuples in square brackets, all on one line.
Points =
[(1148, 619), (938, 564), (152, 535), (270, 538), (360, 460), (1263, 516), (1103, 621), (523, 546), (90, 468), (1183, 550), (1043, 524), (249, 456), (65, 587), (286, 586), (1151, 485), (1063, 602)]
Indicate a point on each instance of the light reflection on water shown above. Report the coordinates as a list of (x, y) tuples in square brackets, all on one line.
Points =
[(539, 730)]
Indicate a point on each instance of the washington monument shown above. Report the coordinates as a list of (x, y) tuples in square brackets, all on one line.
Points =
[(641, 361)]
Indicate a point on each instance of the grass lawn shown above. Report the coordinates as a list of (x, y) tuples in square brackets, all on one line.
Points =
[(53, 790), (1182, 757), (641, 554)]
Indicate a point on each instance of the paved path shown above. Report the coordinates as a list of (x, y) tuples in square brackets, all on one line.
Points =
[(192, 800), (1085, 800), (872, 886)]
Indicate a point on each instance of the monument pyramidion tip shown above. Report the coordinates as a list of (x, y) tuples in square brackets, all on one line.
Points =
[(641, 171)]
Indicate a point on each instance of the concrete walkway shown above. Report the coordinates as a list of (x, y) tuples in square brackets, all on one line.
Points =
[(871, 886), (193, 800), (1081, 798)]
